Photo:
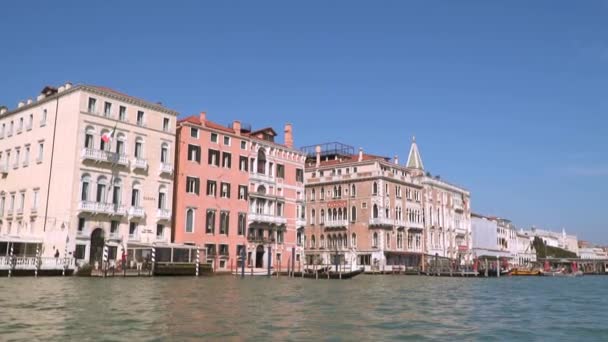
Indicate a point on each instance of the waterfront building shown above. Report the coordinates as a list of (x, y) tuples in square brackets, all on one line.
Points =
[(82, 167), (526, 254), (447, 209), (561, 239), (238, 189), (591, 252), (361, 209), (488, 241)]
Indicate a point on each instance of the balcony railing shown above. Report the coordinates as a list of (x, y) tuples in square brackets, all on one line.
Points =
[(137, 212), (19, 129), (265, 218), (259, 239), (115, 236), (336, 223), (300, 222), (416, 225), (139, 163), (381, 221), (261, 177), (166, 168), (104, 156), (19, 211), (163, 214), (101, 208), (400, 223), (9, 213)]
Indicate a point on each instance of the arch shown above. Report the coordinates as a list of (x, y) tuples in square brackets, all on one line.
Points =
[(85, 187), (339, 191), (375, 188), (353, 213), (121, 140), (353, 190), (313, 242), (138, 151), (259, 256), (375, 239), (322, 241), (261, 189), (353, 239), (322, 194), (339, 213), (164, 153), (261, 167), (135, 194), (190, 217), (97, 243), (312, 216), (375, 211), (322, 217), (162, 197)]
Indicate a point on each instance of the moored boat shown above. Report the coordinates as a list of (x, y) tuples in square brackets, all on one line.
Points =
[(328, 274), (525, 272)]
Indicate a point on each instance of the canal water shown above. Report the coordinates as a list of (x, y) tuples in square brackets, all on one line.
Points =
[(261, 309)]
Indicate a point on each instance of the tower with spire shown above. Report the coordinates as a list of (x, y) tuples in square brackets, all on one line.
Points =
[(414, 160)]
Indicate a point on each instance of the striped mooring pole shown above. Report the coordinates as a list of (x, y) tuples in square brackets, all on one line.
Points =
[(153, 257), (65, 256), (105, 260), (37, 260), (10, 259), (198, 260)]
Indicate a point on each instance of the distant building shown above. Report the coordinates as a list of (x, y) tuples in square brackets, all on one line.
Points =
[(82, 167), (238, 190), (488, 239), (554, 239)]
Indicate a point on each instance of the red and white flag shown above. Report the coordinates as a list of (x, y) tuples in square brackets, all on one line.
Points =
[(108, 136)]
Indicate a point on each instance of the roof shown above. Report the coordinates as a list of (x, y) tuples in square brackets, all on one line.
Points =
[(265, 130), (351, 159), (414, 160), (195, 120)]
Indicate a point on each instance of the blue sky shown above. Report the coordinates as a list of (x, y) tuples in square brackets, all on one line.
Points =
[(508, 99)]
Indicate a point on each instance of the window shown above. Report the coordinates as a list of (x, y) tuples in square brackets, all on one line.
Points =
[(192, 185), (101, 190), (214, 158), (43, 119), (353, 190), (242, 192), (242, 224), (375, 188), (122, 113), (214, 137), (2, 203), (189, 220), (312, 217), (40, 152), (35, 199), (194, 153), (88, 139), (226, 160), (81, 224), (375, 240), (353, 213), (280, 171), (243, 164), (139, 153), (224, 222), (17, 157), (164, 153), (210, 222), (10, 130), (194, 132), (225, 191), (20, 125), (26, 157), (92, 104), (120, 144), (114, 226), (243, 145), (312, 195), (211, 188), (80, 252), (159, 230), (226, 140), (375, 211), (30, 122), (300, 175), (132, 229), (135, 196), (140, 118), (166, 124), (107, 109), (388, 240)]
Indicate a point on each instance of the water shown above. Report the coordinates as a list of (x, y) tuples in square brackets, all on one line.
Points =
[(364, 308)]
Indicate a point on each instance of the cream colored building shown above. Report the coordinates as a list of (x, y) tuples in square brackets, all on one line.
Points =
[(59, 182)]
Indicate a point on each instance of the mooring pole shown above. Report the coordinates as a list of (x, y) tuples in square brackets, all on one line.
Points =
[(198, 259), (269, 258), (243, 262), (10, 260)]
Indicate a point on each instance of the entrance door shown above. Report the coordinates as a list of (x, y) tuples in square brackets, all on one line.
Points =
[(97, 242), (259, 257)]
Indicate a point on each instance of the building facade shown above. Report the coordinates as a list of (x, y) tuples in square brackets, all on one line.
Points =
[(238, 192), (561, 239), (83, 167)]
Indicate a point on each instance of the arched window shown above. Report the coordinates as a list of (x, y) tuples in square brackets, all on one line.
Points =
[(345, 240), (339, 241), (104, 146), (339, 213), (261, 162), (189, 220), (322, 218), (400, 240), (388, 240), (102, 184), (313, 242), (322, 194), (375, 211), (335, 191), (116, 192), (322, 241), (335, 214), (135, 194), (339, 191), (121, 140), (138, 151), (353, 190), (312, 194), (353, 240), (88, 137), (164, 153), (312, 217), (375, 240), (162, 197), (85, 186), (375, 188), (353, 213)]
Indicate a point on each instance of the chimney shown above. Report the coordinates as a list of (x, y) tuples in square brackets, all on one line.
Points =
[(60, 89), (288, 135), (360, 153), (3, 110), (68, 85), (396, 159), (236, 126), (203, 117), (40, 97), (318, 151), (20, 104)]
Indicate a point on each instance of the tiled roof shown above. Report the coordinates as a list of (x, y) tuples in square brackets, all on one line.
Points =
[(193, 119), (351, 159)]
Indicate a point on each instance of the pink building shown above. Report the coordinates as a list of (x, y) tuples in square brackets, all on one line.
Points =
[(237, 189)]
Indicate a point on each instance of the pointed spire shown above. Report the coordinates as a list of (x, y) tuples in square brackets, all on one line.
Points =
[(414, 161)]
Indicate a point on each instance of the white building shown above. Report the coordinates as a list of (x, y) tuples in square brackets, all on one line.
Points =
[(64, 189), (554, 239)]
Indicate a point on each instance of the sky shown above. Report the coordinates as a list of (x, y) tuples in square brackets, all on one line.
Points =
[(508, 99)]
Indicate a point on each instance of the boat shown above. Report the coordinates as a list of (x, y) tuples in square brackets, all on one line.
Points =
[(561, 273), (525, 272), (492, 273), (323, 274), (256, 272)]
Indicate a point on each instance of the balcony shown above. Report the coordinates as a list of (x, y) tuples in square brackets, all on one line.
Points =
[(415, 225), (137, 212), (19, 129), (139, 163), (101, 208), (9, 213), (300, 223), (381, 221), (400, 223), (336, 224), (260, 177), (265, 218), (259, 239), (166, 168), (115, 236), (84, 233), (163, 215), (134, 236), (19, 211), (104, 156), (26, 163), (4, 169)]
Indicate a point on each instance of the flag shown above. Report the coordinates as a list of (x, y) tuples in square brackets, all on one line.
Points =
[(106, 137)]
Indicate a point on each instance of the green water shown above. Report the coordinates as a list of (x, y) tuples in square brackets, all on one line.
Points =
[(366, 308)]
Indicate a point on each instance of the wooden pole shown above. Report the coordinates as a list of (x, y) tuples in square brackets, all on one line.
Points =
[(198, 260), (10, 260)]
